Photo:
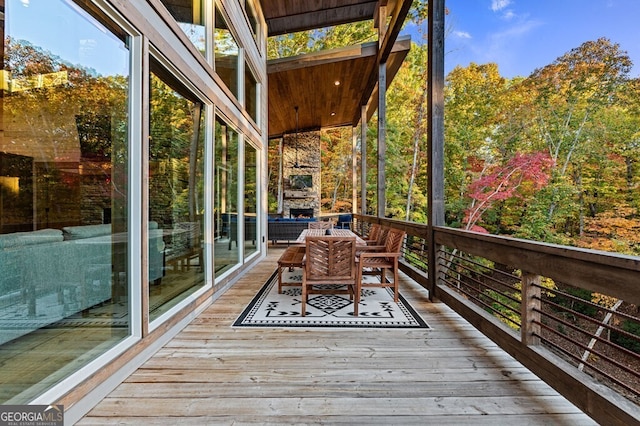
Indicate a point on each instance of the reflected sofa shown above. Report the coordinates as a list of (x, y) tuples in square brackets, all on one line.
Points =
[(51, 274), (250, 230), (284, 229)]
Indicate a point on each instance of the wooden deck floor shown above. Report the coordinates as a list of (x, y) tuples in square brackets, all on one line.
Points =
[(211, 373)]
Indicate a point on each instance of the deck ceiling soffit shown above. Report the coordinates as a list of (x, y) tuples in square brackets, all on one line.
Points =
[(308, 81), (286, 16)]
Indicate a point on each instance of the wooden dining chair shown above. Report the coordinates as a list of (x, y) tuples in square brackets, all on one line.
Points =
[(377, 260), (329, 260), (377, 235), (374, 232), (320, 225)]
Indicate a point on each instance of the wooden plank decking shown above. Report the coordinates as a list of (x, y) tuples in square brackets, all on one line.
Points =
[(211, 373)]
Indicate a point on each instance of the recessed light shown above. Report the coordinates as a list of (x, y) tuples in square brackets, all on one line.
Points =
[(333, 113), (337, 82)]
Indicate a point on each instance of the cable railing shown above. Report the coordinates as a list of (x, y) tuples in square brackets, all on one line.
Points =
[(570, 315), (586, 334)]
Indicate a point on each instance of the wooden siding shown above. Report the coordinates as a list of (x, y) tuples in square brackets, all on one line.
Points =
[(211, 373)]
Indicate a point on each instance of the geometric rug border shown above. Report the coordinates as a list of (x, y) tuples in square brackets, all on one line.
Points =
[(264, 290)]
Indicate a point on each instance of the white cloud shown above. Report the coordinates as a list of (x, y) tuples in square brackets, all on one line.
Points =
[(462, 34), (497, 5), (508, 15)]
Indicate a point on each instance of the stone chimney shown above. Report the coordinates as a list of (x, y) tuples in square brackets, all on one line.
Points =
[(308, 164)]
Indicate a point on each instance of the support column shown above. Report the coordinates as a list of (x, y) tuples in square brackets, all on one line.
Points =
[(435, 135), (363, 160), (381, 185), (382, 138), (354, 170)]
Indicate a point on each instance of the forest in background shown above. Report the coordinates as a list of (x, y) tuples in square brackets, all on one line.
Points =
[(550, 157)]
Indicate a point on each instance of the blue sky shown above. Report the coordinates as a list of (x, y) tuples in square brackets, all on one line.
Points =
[(522, 35), (64, 29)]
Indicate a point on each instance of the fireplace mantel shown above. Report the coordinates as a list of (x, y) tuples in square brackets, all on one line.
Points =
[(292, 193)]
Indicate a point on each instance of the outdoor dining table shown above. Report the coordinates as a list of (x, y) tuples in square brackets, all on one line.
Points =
[(294, 255), (333, 232)]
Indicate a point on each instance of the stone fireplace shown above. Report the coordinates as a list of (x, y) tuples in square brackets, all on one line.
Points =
[(301, 175)]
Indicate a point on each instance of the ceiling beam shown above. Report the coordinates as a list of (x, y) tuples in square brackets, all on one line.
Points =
[(399, 15), (309, 20), (321, 57)]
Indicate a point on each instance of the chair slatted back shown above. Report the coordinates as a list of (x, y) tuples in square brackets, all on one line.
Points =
[(320, 225), (382, 236), (330, 258), (393, 243), (374, 232)]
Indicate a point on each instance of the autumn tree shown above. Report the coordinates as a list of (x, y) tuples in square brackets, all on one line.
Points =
[(472, 100), (566, 95), (519, 178)]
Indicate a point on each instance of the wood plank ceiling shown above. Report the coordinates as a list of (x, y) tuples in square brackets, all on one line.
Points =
[(309, 81)]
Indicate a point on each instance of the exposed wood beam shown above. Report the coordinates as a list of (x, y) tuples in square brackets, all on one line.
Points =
[(308, 20), (400, 13), (403, 44), (398, 17), (322, 57), (376, 15)]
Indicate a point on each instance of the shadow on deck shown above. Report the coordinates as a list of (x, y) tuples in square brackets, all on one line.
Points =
[(211, 373)]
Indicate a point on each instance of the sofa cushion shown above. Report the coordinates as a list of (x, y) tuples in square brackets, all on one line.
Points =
[(19, 239), (86, 231)]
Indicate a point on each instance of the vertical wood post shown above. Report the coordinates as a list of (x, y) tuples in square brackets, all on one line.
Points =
[(381, 20), (382, 138), (530, 309), (354, 170), (435, 134), (363, 160)]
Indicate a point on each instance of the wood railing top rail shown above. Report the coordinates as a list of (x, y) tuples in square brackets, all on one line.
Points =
[(613, 274)]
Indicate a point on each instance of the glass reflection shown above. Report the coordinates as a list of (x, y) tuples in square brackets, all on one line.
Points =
[(63, 194), (176, 193), (252, 16), (250, 199), (226, 197), (226, 53), (190, 16), (250, 93)]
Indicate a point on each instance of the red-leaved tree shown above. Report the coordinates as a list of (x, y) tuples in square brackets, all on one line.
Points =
[(499, 183)]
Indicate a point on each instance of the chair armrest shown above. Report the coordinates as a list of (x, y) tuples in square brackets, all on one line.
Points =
[(365, 255), (368, 248)]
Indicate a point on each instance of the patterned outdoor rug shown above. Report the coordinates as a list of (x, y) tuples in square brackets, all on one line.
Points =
[(377, 308)]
